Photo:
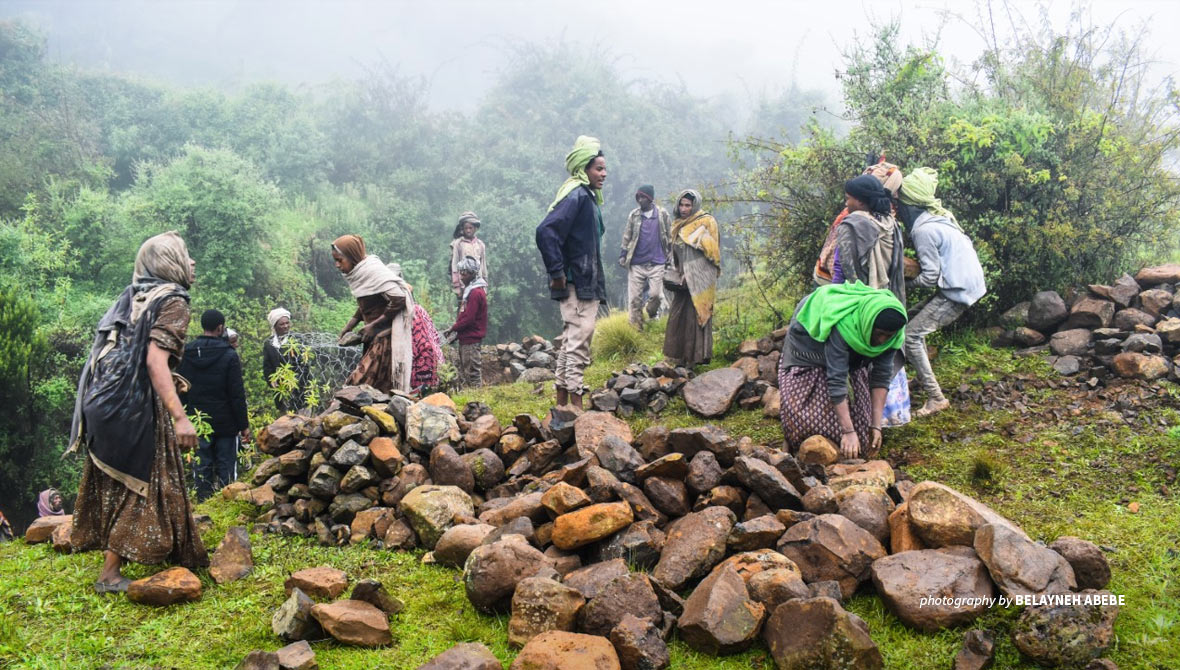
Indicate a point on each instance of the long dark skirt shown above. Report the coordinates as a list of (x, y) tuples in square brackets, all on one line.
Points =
[(806, 409), (685, 341), (153, 529)]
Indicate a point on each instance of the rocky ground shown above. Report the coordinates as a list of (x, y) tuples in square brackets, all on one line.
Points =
[(1015, 446)]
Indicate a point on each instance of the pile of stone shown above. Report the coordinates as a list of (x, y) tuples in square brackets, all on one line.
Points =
[(548, 519), (533, 359), (1130, 329), (750, 383)]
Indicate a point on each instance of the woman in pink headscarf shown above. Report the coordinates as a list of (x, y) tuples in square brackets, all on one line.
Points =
[(49, 503)]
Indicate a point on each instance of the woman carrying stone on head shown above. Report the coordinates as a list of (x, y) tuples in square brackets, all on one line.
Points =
[(132, 501), (386, 307), (691, 278), (948, 262), (277, 352), (841, 336)]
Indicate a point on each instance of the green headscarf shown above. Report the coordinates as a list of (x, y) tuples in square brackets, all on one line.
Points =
[(851, 309), (585, 149), (917, 188)]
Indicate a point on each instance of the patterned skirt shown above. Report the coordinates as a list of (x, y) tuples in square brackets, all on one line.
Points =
[(806, 409), (153, 529), (376, 365), (427, 350)]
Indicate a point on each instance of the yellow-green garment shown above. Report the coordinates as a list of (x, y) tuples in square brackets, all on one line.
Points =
[(698, 232), (585, 148)]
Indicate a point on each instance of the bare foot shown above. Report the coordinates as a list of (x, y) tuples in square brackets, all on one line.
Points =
[(932, 406)]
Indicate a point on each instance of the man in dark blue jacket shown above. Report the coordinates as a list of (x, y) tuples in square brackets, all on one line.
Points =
[(570, 241), (213, 369)]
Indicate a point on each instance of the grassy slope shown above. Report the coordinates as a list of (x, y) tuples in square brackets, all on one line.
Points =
[(1044, 476)]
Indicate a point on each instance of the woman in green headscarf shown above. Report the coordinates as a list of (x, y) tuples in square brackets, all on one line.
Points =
[(842, 336)]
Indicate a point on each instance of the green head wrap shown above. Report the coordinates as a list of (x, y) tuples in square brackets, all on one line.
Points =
[(850, 309), (585, 149), (918, 189)]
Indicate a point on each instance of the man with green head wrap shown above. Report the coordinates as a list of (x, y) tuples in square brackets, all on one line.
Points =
[(948, 263), (842, 337), (570, 242)]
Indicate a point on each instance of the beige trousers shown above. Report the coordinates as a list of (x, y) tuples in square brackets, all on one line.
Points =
[(639, 277), (577, 318)]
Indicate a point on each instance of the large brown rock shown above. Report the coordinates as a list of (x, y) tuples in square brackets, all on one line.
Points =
[(1090, 312), (233, 558), (1089, 564), (977, 652), (1128, 319), (431, 510), (280, 435), (483, 432), (819, 450), (1133, 365), (941, 516), (778, 585), (1155, 301), (528, 505), (639, 644), (695, 543), (831, 547), (592, 579), (322, 581), (1168, 273), (464, 656), (817, 633), (667, 495), (764, 479), (297, 656), (590, 524), (41, 530), (750, 563), (713, 393), (1069, 634), (447, 468), (557, 650), (592, 427), (901, 533), (629, 594), (293, 620), (354, 622), (757, 533), (174, 585), (492, 572), (62, 538), (1072, 342), (562, 498), (868, 507), (691, 441), (719, 617), (872, 473), (639, 544), (1020, 566), (457, 543), (933, 589), (541, 604)]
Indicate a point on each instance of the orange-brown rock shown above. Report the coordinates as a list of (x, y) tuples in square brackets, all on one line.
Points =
[(818, 449), (354, 622), (901, 534), (387, 458), (174, 585), (233, 558), (872, 473), (440, 399), (562, 498), (41, 530), (558, 650), (483, 433), (590, 524), (318, 582), (61, 538)]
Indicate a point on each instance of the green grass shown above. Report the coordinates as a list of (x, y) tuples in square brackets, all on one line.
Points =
[(1043, 473)]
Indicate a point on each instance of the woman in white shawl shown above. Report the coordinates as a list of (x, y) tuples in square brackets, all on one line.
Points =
[(276, 353), (385, 305)]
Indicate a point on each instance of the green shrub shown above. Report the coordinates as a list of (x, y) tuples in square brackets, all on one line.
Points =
[(615, 338)]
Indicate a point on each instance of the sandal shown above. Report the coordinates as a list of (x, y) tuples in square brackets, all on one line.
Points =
[(120, 586)]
